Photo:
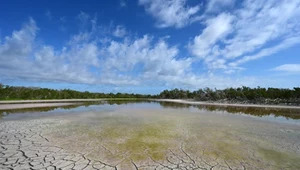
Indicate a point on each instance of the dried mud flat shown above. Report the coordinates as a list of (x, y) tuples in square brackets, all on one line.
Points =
[(112, 141), (24, 146)]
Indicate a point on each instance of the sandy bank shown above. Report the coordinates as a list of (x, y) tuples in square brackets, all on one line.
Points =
[(32, 105), (49, 101), (226, 104)]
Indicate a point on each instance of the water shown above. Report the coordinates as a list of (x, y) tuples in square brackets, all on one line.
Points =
[(173, 135), (272, 114)]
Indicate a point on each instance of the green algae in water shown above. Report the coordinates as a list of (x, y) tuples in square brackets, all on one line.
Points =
[(141, 140), (142, 137), (280, 158)]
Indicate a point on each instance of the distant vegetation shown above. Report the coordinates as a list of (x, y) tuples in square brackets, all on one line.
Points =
[(238, 95), (231, 95), (23, 93), (255, 111)]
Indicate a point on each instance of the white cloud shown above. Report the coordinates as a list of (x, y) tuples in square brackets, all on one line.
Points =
[(268, 51), (22, 58), (170, 13), (20, 43), (216, 29), (157, 60), (291, 68), (260, 23), (158, 64), (93, 56), (256, 29), (120, 31)]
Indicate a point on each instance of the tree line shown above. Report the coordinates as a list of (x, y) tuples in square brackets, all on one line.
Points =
[(27, 93), (235, 95)]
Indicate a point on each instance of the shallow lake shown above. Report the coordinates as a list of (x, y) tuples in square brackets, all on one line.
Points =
[(160, 135)]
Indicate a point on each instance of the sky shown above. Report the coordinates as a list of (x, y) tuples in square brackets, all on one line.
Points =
[(146, 46)]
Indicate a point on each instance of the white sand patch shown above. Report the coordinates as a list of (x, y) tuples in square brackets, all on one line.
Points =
[(32, 105)]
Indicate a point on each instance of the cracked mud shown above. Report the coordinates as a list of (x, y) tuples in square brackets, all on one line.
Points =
[(148, 137)]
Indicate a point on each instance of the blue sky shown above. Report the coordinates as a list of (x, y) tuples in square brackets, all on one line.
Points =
[(145, 46)]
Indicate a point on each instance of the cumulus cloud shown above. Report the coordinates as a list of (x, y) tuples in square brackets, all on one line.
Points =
[(21, 57), (20, 43), (170, 13), (93, 56), (130, 62), (155, 60)]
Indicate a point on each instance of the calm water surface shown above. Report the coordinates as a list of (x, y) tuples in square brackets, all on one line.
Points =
[(273, 114)]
